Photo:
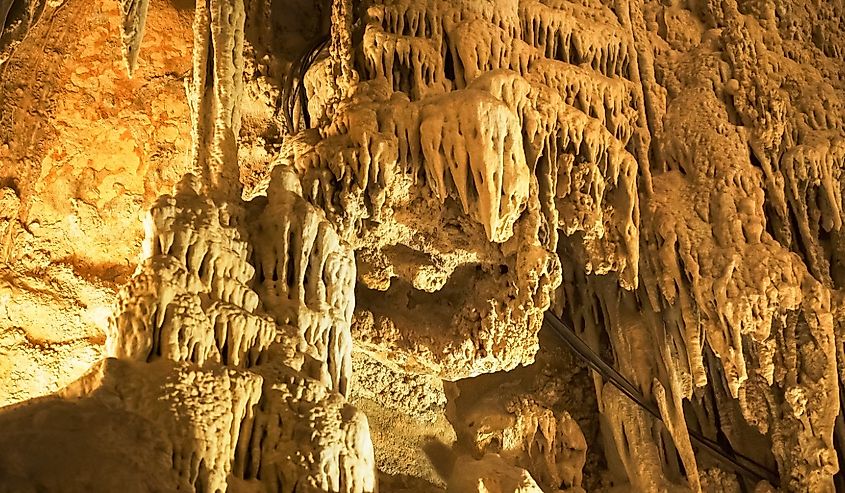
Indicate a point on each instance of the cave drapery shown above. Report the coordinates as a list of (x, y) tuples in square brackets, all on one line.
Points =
[(296, 224)]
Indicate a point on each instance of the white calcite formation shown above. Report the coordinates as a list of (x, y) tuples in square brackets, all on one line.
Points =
[(190, 300), (665, 176), (734, 319), (235, 392), (522, 142), (216, 380), (307, 437), (214, 93), (306, 278), (481, 129)]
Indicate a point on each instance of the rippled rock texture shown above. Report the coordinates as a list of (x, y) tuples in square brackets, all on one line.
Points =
[(376, 203)]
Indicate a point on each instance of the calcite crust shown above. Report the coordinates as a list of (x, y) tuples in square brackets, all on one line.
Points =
[(378, 204)]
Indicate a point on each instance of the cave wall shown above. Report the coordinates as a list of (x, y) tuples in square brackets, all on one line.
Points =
[(386, 198)]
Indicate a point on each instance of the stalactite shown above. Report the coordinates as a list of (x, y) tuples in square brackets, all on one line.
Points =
[(492, 183), (340, 49), (665, 176), (134, 17), (306, 278), (214, 94), (407, 62)]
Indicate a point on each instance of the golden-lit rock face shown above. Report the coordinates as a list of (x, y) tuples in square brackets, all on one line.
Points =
[(84, 151), (88, 147), (296, 215)]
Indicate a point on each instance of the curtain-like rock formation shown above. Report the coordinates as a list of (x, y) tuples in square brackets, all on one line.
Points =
[(665, 176), (234, 399), (225, 386)]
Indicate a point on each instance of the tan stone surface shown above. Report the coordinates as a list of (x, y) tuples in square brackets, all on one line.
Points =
[(84, 149), (664, 175)]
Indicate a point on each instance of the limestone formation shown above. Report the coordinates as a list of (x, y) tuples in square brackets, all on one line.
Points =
[(225, 389), (198, 361), (214, 93), (134, 17), (306, 278), (524, 421), (720, 287), (377, 202), (550, 447), (491, 474), (505, 141), (190, 300)]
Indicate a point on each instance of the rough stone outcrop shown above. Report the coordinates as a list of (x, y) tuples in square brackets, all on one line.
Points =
[(196, 360), (419, 396), (666, 176), (521, 142)]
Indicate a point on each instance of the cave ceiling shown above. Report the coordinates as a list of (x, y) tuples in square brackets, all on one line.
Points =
[(442, 245)]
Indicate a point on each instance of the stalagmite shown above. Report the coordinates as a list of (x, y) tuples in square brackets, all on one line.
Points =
[(190, 301), (239, 378), (305, 277), (198, 360)]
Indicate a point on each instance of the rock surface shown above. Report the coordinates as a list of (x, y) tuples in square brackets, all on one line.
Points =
[(374, 206)]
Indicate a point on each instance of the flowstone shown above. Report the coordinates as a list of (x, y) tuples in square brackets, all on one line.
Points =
[(666, 177)]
